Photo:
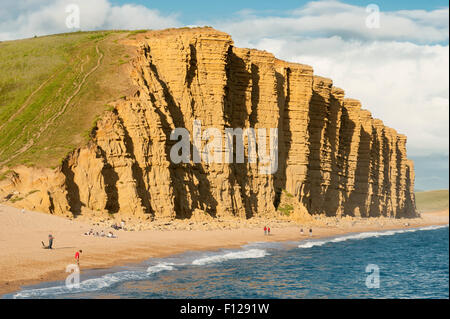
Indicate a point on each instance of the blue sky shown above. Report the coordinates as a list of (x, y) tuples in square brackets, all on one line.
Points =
[(399, 70), (196, 10)]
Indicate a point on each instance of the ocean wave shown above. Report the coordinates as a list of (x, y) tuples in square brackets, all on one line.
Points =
[(108, 280), (310, 244), (160, 267), (245, 254), (95, 284), (358, 236), (266, 245)]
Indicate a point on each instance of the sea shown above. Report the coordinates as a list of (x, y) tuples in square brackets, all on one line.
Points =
[(403, 264)]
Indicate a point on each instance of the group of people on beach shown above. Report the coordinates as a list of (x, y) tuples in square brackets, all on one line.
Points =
[(267, 231), (100, 234), (109, 234), (310, 232), (50, 246), (117, 227)]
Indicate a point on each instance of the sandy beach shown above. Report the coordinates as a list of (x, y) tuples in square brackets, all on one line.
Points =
[(23, 261)]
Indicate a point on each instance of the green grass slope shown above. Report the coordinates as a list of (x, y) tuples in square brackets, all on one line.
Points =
[(432, 200), (52, 90)]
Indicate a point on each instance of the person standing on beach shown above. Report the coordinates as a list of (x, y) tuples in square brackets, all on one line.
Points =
[(268, 230), (310, 232), (50, 242), (265, 230), (301, 231), (77, 256)]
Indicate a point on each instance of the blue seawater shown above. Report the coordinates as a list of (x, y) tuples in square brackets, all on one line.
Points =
[(407, 263)]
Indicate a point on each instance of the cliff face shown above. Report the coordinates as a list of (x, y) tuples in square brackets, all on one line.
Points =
[(333, 157)]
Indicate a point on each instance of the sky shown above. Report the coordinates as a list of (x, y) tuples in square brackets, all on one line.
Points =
[(395, 61)]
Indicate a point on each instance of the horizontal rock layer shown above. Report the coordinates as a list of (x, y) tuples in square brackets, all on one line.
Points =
[(333, 157)]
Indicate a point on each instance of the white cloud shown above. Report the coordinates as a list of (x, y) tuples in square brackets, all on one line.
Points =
[(26, 18), (404, 83), (333, 18)]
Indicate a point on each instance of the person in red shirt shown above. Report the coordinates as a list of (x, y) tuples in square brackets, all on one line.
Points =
[(265, 230), (268, 231), (77, 256)]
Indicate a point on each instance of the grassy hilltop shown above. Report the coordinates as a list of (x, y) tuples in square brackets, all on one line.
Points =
[(52, 90), (432, 200)]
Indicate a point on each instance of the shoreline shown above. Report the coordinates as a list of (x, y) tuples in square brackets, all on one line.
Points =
[(22, 264)]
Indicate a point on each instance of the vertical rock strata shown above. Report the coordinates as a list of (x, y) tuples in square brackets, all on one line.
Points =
[(333, 157)]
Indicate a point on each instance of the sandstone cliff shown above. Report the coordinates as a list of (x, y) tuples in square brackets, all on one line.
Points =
[(334, 158)]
